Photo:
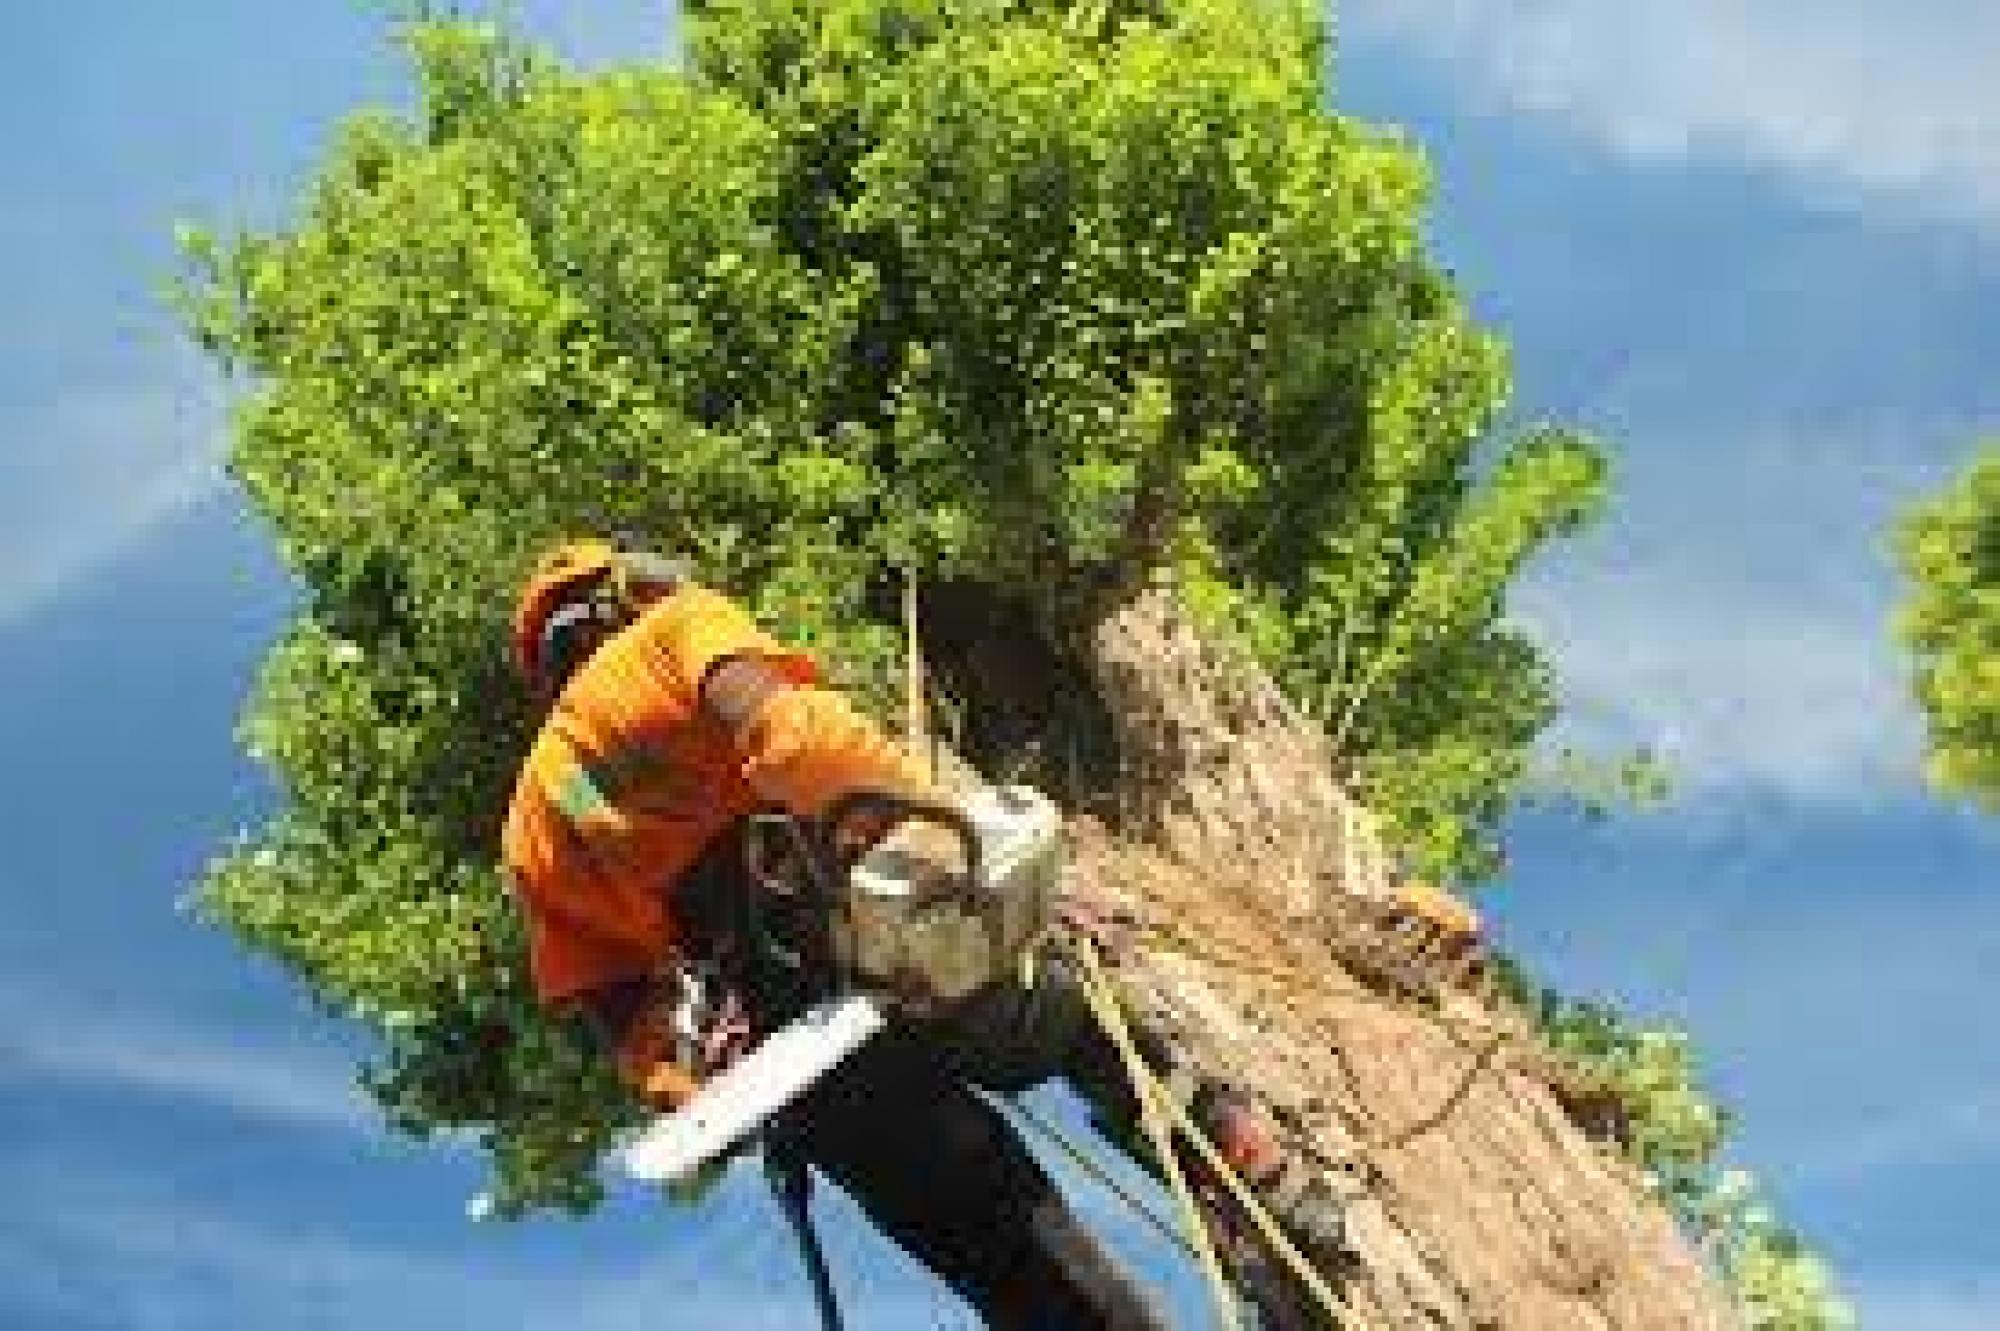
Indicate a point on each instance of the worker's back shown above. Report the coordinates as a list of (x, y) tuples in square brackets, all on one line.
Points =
[(626, 784)]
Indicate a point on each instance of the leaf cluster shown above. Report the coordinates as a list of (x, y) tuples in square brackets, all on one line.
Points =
[(1949, 547), (1779, 1283), (1054, 298)]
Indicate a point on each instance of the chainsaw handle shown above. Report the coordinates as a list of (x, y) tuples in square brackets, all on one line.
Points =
[(796, 848), (893, 808), (775, 842)]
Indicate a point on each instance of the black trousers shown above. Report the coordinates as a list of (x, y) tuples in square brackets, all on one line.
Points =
[(900, 1129)]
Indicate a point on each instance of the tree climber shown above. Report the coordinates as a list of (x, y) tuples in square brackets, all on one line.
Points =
[(672, 718)]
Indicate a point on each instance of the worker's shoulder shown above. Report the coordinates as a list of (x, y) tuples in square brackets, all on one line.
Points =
[(686, 614), (697, 626)]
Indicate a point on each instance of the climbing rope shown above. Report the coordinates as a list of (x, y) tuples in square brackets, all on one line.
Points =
[(1163, 1114), (1154, 1115), (916, 709), (791, 1184)]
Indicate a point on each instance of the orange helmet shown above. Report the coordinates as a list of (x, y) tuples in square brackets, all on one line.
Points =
[(590, 580), (563, 576)]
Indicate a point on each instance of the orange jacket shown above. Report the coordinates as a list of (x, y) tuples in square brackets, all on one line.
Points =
[(631, 778)]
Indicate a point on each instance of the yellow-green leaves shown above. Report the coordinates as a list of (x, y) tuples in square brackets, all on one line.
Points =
[(1950, 551), (1041, 297)]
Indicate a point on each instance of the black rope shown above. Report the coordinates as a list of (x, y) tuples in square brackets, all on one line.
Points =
[(791, 1184)]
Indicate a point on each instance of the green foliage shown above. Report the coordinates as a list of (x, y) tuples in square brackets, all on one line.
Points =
[(1675, 1131), (1049, 297), (1155, 307), (1596, 784), (1779, 1284), (1950, 550)]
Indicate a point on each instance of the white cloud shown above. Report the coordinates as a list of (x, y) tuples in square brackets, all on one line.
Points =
[(1895, 99), (63, 1037), (94, 472), (165, 1264), (1734, 685), (163, 1261), (1733, 612), (94, 467)]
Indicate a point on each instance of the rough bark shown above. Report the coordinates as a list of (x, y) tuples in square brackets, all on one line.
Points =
[(1477, 1201), (1217, 768)]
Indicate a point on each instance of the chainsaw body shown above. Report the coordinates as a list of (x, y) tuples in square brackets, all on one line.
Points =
[(888, 935), (947, 942)]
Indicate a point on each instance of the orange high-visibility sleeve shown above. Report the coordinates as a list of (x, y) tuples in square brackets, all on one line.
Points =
[(695, 628), (808, 746), (588, 923), (645, 1062)]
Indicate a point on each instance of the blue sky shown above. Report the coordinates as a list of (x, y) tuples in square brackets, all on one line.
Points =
[(1756, 248)]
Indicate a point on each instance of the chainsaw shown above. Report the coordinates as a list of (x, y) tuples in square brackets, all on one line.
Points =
[(881, 938)]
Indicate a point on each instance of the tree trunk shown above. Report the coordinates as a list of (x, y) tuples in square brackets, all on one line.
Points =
[(1477, 1202), (1218, 769)]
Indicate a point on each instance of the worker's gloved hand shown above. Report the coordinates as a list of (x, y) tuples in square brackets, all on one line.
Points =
[(663, 1085), (647, 1062), (667, 1036)]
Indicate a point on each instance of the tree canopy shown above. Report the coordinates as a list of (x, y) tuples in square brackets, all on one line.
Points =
[(1950, 621), (1049, 298)]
